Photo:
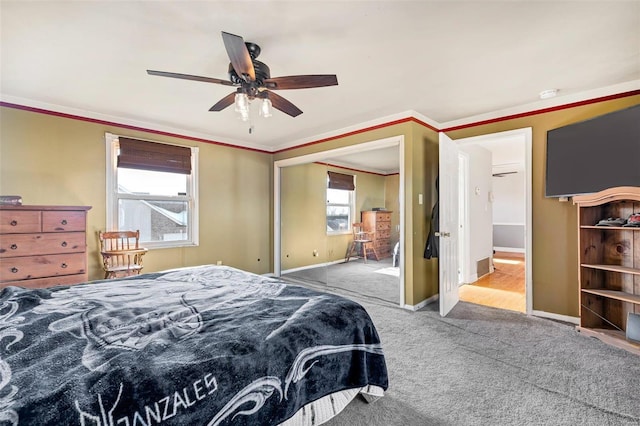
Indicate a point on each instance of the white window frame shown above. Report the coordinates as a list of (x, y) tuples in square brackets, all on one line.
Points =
[(352, 209), (113, 196)]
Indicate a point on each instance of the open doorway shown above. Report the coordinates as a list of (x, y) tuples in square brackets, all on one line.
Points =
[(503, 287), (495, 220)]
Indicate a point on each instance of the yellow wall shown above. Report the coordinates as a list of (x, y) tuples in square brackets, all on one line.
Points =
[(303, 217), (424, 163), (61, 161), (555, 251)]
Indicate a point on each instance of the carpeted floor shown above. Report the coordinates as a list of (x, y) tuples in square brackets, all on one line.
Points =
[(375, 279), (486, 366)]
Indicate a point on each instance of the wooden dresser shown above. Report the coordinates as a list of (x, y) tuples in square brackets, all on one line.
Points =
[(43, 246), (379, 222)]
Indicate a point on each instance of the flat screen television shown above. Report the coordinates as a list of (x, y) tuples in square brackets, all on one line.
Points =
[(595, 154)]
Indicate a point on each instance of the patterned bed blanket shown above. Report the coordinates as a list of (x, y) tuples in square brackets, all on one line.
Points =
[(209, 345)]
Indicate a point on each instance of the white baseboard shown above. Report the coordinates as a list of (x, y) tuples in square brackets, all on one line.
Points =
[(422, 304), (316, 265), (510, 249), (557, 317)]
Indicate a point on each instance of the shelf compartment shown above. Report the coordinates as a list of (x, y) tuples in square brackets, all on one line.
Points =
[(614, 294), (598, 310), (611, 228), (612, 337)]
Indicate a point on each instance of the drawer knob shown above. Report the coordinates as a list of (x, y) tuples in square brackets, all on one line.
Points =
[(64, 244), (64, 265), (13, 246), (14, 270), (13, 223), (64, 221)]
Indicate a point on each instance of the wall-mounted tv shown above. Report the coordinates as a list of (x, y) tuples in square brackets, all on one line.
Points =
[(595, 154)]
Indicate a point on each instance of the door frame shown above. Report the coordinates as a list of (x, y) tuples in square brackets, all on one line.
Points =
[(463, 218), (524, 135), (322, 155)]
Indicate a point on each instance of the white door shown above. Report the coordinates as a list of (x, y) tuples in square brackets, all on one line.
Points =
[(448, 230)]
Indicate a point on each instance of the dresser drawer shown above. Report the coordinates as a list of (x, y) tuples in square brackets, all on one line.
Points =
[(383, 217), (19, 221), (47, 282), (14, 245), (61, 221), (383, 226), (383, 233), (22, 268)]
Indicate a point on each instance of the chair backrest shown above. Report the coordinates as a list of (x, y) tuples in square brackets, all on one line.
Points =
[(359, 233), (121, 253), (119, 240)]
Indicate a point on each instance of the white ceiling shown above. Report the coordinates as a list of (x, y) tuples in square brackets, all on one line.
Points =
[(445, 63)]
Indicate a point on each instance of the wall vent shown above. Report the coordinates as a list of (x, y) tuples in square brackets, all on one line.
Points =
[(482, 267)]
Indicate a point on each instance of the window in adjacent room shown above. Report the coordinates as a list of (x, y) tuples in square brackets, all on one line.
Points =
[(340, 202), (152, 187)]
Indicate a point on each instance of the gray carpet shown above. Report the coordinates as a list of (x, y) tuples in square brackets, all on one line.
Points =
[(354, 276), (485, 366)]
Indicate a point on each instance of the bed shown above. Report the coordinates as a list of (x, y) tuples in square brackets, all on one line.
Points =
[(207, 345)]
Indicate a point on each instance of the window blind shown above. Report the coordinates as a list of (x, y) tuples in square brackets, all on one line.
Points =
[(158, 157), (341, 181)]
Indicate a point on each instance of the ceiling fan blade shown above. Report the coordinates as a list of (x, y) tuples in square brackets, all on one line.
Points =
[(284, 105), (224, 102), (239, 56), (190, 77), (301, 82)]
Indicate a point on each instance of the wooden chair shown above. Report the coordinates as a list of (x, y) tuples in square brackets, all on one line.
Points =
[(121, 253), (363, 239)]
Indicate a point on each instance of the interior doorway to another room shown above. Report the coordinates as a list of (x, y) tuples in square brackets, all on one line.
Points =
[(495, 220), (503, 288)]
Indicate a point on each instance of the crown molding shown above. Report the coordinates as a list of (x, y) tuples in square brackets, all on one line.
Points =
[(366, 126), (559, 102), (110, 120)]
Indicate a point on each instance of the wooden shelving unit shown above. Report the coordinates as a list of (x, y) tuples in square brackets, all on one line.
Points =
[(609, 265)]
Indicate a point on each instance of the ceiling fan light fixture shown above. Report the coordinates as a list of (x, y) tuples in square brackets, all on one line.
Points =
[(265, 108), (242, 103)]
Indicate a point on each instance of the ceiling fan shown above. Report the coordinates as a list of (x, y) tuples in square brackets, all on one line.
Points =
[(253, 79)]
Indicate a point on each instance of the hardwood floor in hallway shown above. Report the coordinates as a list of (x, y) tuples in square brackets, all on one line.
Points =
[(504, 288)]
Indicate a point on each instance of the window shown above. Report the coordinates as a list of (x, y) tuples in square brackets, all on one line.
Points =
[(340, 202), (152, 187)]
